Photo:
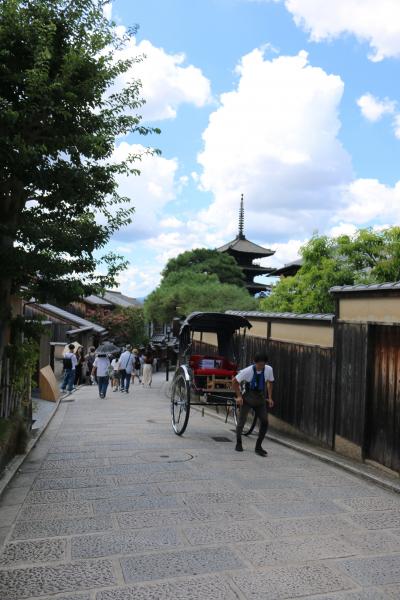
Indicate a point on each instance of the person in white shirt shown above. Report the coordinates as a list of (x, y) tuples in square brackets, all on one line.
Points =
[(258, 379), (115, 374), (126, 368), (101, 370), (69, 362)]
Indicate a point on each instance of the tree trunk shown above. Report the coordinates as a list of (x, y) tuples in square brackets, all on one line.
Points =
[(13, 201)]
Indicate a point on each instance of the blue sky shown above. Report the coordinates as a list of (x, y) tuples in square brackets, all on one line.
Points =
[(295, 103)]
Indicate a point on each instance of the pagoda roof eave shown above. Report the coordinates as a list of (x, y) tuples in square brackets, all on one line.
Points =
[(243, 245), (258, 287), (256, 269)]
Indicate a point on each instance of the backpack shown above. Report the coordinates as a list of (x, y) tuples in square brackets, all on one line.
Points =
[(137, 363), (90, 360), (67, 363)]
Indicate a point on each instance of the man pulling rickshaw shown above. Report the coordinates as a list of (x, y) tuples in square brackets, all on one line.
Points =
[(258, 380), (213, 378)]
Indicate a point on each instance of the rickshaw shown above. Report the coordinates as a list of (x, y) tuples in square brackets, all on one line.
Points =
[(205, 379)]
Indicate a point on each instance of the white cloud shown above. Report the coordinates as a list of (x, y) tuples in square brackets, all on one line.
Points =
[(373, 109), (285, 252), (107, 11), (149, 192), (171, 222), (167, 80), (396, 126), (138, 281), (188, 235), (370, 202), (376, 22), (343, 229), (274, 138)]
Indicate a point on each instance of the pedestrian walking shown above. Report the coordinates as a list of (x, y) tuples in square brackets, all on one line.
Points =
[(69, 365), (137, 366), (148, 368), (90, 358), (125, 368), (258, 379), (101, 370), (79, 370), (141, 359), (115, 373)]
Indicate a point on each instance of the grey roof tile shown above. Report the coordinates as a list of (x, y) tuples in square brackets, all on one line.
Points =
[(283, 315), (64, 314), (372, 287)]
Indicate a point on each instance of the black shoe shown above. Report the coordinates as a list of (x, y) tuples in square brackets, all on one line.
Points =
[(239, 447), (260, 451)]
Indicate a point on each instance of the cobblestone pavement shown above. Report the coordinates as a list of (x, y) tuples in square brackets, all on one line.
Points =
[(111, 505)]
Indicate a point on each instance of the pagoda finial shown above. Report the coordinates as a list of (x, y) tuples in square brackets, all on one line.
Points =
[(241, 218)]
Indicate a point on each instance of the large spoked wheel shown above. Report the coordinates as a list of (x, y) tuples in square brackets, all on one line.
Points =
[(180, 403), (232, 417)]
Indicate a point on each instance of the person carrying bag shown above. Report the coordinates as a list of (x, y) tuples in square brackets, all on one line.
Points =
[(125, 368)]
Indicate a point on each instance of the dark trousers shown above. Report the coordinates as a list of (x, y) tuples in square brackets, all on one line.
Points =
[(68, 381), (258, 403), (125, 379), (78, 374), (103, 385)]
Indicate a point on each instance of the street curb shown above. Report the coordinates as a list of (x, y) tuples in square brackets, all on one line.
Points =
[(15, 463), (360, 470)]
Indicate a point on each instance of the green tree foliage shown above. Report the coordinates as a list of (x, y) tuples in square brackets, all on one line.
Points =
[(59, 118), (204, 260), (367, 257), (125, 325), (185, 291)]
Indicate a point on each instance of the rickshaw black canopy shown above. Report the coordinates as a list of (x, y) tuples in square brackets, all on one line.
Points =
[(214, 322), (224, 325)]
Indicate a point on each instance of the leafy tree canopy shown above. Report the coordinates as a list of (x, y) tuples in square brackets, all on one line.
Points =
[(183, 292), (203, 260), (125, 325), (367, 257), (60, 114)]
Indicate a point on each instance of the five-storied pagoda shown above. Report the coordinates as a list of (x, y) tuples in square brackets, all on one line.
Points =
[(245, 253)]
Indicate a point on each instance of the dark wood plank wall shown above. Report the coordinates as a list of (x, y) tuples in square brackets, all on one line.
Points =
[(203, 348), (351, 380), (382, 442), (303, 391)]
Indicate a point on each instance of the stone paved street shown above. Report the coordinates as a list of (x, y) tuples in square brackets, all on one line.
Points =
[(111, 505)]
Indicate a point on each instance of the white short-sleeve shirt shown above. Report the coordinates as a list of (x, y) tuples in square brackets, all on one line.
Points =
[(248, 373), (102, 364)]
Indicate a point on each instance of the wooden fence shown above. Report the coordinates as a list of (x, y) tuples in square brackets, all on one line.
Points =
[(14, 399), (368, 390), (382, 419)]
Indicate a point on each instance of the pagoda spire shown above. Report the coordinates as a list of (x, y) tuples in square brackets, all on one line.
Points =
[(241, 219)]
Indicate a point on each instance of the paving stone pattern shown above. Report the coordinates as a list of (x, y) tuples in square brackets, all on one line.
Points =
[(290, 582), (183, 562), (111, 505)]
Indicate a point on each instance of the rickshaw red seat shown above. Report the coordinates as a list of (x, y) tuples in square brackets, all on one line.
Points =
[(223, 367), (219, 372)]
